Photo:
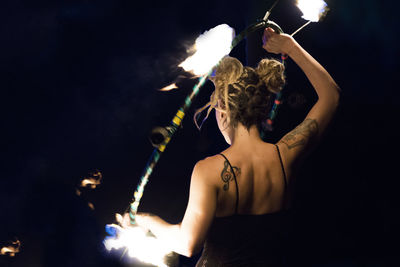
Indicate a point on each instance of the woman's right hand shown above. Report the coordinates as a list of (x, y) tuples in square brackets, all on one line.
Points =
[(277, 43)]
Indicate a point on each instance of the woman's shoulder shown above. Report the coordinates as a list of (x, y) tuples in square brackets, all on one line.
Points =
[(209, 162), (209, 166)]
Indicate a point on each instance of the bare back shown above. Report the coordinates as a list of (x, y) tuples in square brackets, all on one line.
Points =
[(260, 180)]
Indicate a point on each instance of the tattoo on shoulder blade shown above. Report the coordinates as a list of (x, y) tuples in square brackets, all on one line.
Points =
[(301, 135), (227, 175)]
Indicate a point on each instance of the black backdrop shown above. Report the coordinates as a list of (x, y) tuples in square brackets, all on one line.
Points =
[(79, 84)]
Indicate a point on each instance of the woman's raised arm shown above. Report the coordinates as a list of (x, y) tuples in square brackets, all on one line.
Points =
[(309, 131)]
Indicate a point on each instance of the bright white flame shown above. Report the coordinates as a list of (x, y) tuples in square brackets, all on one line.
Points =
[(139, 245), (210, 47), (312, 10)]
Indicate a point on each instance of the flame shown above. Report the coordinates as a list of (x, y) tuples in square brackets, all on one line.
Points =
[(78, 192), (93, 181), (169, 87), (12, 249), (312, 10), (138, 244), (91, 206), (210, 47)]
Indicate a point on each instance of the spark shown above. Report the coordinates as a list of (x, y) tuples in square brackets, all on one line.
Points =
[(313, 10), (138, 244), (78, 192), (12, 249), (91, 206), (210, 47), (93, 181), (169, 87), (89, 182)]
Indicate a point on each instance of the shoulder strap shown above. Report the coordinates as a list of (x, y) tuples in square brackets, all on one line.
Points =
[(283, 168), (237, 188)]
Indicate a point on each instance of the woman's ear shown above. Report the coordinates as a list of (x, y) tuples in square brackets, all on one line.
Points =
[(221, 115)]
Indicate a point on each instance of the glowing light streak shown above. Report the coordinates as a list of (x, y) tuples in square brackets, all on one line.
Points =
[(312, 10), (210, 47), (12, 249), (138, 244), (169, 87)]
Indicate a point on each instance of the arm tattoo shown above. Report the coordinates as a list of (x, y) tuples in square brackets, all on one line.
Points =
[(302, 134), (227, 175)]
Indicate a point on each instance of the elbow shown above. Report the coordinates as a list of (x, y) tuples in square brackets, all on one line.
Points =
[(331, 100), (188, 253), (337, 90), (191, 249), (336, 96)]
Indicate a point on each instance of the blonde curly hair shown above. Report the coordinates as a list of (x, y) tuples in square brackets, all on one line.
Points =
[(244, 93)]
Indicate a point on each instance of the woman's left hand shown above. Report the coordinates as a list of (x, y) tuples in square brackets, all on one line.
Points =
[(277, 43)]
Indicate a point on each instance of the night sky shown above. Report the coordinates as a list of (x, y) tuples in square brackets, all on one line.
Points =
[(79, 93)]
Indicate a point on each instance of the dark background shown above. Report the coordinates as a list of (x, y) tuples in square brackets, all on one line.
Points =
[(79, 93)]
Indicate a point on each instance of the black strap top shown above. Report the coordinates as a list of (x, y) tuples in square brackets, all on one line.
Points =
[(237, 187), (246, 239)]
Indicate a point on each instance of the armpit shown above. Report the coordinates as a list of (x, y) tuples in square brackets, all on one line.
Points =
[(302, 134)]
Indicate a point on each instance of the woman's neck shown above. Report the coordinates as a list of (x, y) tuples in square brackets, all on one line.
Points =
[(243, 137)]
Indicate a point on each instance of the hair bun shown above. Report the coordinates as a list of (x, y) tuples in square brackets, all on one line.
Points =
[(271, 72), (227, 71)]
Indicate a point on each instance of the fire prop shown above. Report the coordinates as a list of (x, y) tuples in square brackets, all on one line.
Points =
[(12, 249), (138, 244), (219, 40), (210, 47), (313, 11)]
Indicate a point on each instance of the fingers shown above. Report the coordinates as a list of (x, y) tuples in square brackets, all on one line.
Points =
[(119, 218), (268, 34), (123, 220)]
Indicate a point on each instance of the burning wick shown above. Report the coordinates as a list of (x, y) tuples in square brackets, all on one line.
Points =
[(138, 243), (12, 249), (210, 47), (313, 11)]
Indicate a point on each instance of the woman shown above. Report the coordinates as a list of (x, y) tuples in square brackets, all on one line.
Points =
[(238, 198)]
